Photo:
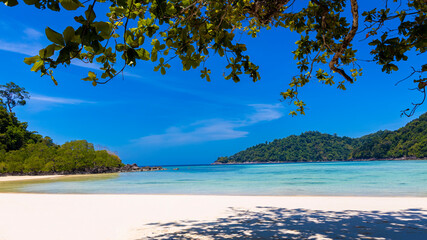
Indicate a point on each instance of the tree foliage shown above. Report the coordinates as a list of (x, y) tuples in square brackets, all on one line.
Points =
[(22, 151), (12, 95), (13, 133), (194, 30), (408, 141), (307, 147)]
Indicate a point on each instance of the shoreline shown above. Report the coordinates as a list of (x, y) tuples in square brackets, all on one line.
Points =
[(125, 169), (131, 217), (13, 178), (222, 195), (329, 161), (29, 178)]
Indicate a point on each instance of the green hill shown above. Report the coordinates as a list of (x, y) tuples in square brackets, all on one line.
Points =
[(408, 141), (26, 152)]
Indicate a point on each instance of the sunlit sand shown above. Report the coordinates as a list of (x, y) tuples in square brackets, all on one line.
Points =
[(115, 217), (23, 178)]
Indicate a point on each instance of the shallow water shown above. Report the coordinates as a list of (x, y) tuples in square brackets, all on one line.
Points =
[(375, 178)]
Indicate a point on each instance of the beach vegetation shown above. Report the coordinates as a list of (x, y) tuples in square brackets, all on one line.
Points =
[(27, 152)]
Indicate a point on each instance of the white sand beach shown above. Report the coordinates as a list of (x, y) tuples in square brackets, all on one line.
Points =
[(115, 217), (24, 178)]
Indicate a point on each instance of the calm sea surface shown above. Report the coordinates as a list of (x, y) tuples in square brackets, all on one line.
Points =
[(376, 178)]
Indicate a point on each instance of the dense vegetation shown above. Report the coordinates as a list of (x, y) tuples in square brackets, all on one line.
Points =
[(26, 152), (408, 141)]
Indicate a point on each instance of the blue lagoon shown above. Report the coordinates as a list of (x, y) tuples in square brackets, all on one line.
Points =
[(371, 178)]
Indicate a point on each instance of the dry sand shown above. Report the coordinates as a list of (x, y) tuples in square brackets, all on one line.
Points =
[(115, 217), (24, 178)]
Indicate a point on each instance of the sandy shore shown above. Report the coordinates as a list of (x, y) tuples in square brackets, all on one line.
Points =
[(24, 178), (115, 217)]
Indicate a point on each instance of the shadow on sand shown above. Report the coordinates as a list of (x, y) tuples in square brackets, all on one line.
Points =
[(282, 223)]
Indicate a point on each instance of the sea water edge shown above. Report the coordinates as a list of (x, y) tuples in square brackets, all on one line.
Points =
[(366, 178)]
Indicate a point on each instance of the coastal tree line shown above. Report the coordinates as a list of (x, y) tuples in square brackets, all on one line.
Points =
[(408, 141), (24, 152)]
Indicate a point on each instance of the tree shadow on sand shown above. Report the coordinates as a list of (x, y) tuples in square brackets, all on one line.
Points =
[(282, 223)]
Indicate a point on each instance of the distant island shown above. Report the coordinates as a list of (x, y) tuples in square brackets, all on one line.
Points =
[(24, 152), (408, 142)]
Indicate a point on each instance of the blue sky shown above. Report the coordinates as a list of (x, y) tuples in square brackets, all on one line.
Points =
[(180, 118)]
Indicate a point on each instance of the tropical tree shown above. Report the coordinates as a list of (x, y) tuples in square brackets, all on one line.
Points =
[(194, 30), (13, 95)]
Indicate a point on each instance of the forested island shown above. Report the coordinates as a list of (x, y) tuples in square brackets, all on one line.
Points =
[(408, 142), (23, 152)]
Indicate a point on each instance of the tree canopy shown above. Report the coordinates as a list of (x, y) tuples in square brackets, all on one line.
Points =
[(408, 141), (12, 95), (23, 151), (194, 30)]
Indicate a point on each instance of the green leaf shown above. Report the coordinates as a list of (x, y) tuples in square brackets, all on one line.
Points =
[(54, 80), (31, 60), (11, 3), (64, 55), (30, 2), (143, 54), (71, 4), (393, 67), (185, 2), (54, 36), (37, 66), (92, 75), (104, 28), (68, 34), (154, 56), (48, 51), (90, 14)]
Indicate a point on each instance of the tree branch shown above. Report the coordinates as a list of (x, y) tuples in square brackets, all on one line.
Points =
[(347, 40)]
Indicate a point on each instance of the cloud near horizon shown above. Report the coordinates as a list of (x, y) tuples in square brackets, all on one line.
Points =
[(213, 129), (39, 103), (22, 48), (58, 100), (32, 34)]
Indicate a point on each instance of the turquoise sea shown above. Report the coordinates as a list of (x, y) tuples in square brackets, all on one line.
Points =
[(374, 178)]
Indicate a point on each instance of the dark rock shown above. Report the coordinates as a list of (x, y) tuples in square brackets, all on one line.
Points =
[(94, 170)]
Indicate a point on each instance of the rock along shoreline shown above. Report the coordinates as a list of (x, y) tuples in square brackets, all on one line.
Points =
[(348, 160), (126, 168)]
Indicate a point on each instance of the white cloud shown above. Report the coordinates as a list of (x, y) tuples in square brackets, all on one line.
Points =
[(265, 112), (39, 103), (33, 49), (209, 130), (58, 100), (212, 129), (32, 34), (22, 48), (128, 74)]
